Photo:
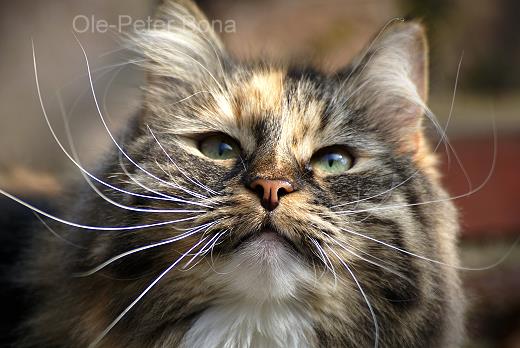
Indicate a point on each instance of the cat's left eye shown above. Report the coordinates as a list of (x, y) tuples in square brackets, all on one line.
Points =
[(332, 161), (219, 147)]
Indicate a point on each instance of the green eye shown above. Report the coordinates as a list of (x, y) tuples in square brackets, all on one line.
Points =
[(219, 147), (332, 161)]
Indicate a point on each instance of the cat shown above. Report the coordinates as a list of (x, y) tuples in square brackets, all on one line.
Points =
[(257, 205)]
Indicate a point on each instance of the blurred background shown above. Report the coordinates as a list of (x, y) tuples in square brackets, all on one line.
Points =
[(484, 35)]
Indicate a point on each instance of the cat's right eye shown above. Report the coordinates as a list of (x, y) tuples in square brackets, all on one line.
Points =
[(219, 147), (332, 161)]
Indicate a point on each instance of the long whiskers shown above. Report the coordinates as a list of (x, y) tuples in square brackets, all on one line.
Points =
[(78, 165), (143, 293), (105, 109), (212, 248), (89, 227), (203, 251), (182, 236), (443, 139), (102, 118), (348, 250), (193, 181), (374, 41), (56, 234), (182, 100), (169, 37), (104, 70), (146, 188), (433, 260), (466, 194), (103, 196), (325, 259), (374, 318)]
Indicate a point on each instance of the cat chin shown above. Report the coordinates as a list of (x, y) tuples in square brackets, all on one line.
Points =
[(265, 268), (260, 303)]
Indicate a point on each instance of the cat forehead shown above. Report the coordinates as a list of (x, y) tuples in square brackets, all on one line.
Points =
[(271, 108)]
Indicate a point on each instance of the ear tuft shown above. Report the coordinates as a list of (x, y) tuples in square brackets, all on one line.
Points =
[(182, 45), (409, 39)]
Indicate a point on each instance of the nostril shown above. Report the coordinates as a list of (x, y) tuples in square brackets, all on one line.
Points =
[(283, 188), (282, 191), (259, 189)]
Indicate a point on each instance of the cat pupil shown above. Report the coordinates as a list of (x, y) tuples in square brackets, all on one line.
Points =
[(222, 148), (333, 158)]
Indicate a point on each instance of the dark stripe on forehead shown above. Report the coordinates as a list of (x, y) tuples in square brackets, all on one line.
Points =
[(265, 130), (320, 86), (336, 102)]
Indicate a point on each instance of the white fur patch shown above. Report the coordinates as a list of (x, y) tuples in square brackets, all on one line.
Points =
[(261, 306)]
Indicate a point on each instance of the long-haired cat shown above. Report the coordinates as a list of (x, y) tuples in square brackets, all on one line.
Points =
[(257, 205)]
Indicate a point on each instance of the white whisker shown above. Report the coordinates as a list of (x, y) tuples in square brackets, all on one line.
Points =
[(143, 293), (376, 326), (210, 43), (215, 243), (47, 120), (154, 245), (381, 204), (242, 161), (326, 260), (443, 139), (202, 250), (175, 199), (162, 34), (137, 182), (324, 270), (342, 245), (171, 177), (211, 262), (204, 187), (450, 114), (60, 237), (469, 193), (372, 43), (437, 261), (102, 118), (88, 227), (188, 97), (101, 194), (104, 70)]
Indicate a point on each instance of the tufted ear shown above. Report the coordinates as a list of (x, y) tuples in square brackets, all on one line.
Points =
[(389, 81), (182, 45)]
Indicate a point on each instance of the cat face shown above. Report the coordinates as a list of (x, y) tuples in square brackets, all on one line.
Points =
[(287, 157), (291, 155)]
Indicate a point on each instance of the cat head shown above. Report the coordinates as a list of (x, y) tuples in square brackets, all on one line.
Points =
[(287, 170)]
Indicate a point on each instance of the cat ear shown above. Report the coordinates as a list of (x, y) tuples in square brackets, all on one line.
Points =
[(390, 83), (182, 45)]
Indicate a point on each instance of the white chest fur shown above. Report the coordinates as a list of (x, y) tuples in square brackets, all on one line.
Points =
[(244, 325), (260, 306)]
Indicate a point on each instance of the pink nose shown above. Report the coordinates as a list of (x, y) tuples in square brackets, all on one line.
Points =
[(270, 191)]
